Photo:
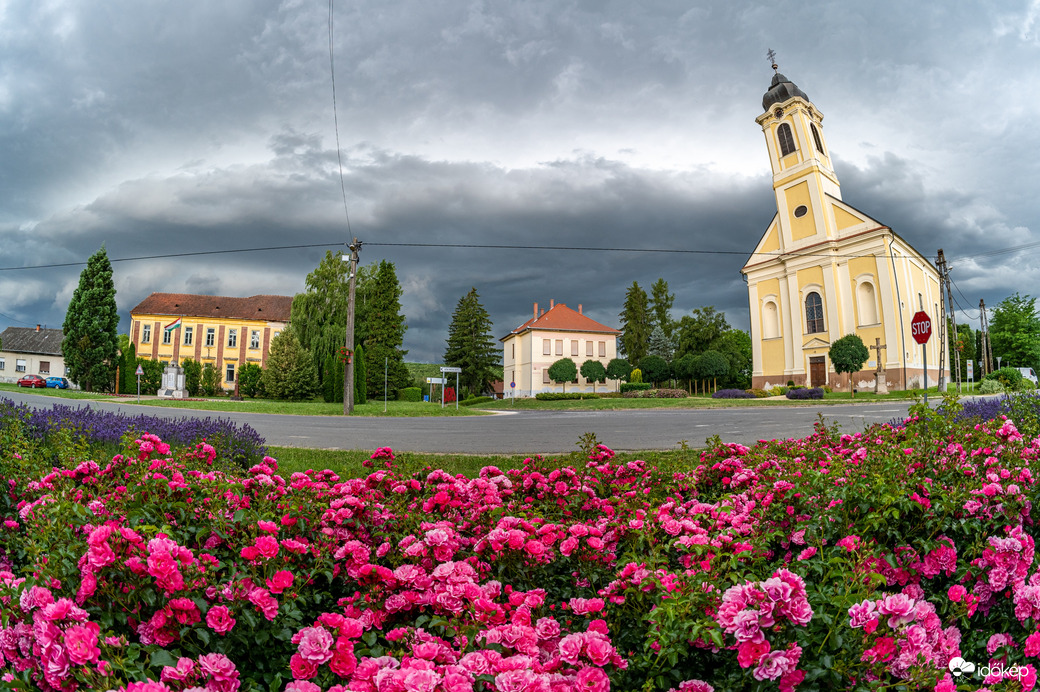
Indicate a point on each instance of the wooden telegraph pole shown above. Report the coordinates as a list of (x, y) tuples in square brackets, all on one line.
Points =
[(348, 367)]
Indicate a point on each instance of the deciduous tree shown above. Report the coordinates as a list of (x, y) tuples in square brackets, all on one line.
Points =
[(593, 371), (471, 346), (699, 331), (563, 371), (619, 369), (848, 354), (319, 314), (655, 369), (90, 331), (1015, 332)]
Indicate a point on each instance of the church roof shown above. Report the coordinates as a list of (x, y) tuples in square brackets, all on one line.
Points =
[(264, 307), (781, 89)]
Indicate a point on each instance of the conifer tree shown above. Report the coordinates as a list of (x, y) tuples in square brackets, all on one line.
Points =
[(290, 372), (471, 345), (635, 324), (661, 302), (90, 331), (382, 331), (360, 376)]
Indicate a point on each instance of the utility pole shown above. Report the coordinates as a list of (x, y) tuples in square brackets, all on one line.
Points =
[(348, 367), (940, 264), (984, 357), (948, 297)]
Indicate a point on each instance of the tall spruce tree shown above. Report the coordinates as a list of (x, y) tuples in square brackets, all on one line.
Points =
[(382, 331), (290, 372), (90, 330), (661, 302), (471, 345), (635, 324)]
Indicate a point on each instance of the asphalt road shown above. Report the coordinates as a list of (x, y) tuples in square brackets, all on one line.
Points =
[(530, 432)]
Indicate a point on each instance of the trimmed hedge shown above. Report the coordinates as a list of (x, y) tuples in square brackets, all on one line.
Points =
[(732, 394), (560, 396), (656, 394), (803, 393), (635, 386), (410, 394), (473, 400)]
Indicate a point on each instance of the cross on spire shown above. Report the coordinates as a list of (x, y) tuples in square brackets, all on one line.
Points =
[(771, 54)]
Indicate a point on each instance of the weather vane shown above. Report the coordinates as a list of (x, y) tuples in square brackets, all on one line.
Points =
[(771, 54)]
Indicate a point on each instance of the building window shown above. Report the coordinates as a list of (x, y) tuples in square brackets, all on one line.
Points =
[(211, 336), (770, 321), (2, 364), (167, 336), (559, 347), (603, 349), (816, 138), (45, 367), (512, 352), (546, 347), (146, 334), (867, 303), (574, 347), (189, 334), (783, 133), (254, 339), (590, 348), (232, 338), (545, 376), (19, 365), (813, 313), (229, 376)]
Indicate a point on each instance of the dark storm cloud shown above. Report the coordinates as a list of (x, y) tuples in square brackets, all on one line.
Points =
[(163, 128)]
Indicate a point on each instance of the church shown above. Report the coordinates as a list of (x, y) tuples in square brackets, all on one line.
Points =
[(824, 269)]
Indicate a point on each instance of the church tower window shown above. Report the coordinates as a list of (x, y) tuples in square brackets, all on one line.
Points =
[(813, 313), (816, 138), (786, 139)]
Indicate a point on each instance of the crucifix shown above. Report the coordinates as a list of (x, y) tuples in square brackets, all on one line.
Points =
[(880, 386)]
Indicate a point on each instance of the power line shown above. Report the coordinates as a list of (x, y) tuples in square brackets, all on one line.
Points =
[(173, 255), (335, 118)]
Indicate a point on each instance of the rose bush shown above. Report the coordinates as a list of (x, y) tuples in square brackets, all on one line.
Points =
[(876, 560)]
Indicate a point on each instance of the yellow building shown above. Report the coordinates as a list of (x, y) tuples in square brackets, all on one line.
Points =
[(560, 332), (226, 332), (824, 269)]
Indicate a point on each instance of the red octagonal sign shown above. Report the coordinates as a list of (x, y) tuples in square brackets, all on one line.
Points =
[(921, 327)]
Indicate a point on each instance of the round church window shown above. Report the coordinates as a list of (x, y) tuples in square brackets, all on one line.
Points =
[(801, 211)]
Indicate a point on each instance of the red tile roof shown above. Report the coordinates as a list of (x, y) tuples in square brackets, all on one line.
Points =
[(266, 308), (561, 318)]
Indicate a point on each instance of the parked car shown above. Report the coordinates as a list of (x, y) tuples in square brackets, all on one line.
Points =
[(58, 382), (1028, 374), (32, 381)]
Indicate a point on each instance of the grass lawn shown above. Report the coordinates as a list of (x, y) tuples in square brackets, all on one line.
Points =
[(348, 463)]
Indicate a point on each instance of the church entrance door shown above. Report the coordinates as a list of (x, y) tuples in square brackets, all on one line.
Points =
[(817, 371)]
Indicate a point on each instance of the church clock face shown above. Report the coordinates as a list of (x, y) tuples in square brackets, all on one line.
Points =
[(800, 211)]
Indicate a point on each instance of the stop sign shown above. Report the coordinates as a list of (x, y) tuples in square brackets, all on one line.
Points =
[(921, 327)]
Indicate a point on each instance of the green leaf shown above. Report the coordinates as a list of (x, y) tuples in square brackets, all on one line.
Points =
[(162, 657)]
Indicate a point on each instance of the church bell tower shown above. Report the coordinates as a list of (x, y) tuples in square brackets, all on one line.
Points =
[(803, 176)]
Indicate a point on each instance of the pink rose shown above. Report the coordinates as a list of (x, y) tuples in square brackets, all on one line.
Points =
[(281, 581), (301, 668), (267, 546), (219, 619), (570, 647), (592, 680), (314, 644), (81, 643)]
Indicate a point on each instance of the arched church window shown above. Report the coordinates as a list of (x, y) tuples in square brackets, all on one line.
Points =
[(770, 321), (816, 138), (867, 303), (786, 139), (813, 313)]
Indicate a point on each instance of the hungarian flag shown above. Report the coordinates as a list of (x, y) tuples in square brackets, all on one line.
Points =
[(173, 325)]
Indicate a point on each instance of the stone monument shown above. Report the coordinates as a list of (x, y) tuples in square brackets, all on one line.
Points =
[(880, 385), (172, 383)]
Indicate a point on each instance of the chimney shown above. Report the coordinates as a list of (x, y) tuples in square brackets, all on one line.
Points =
[(542, 313), (552, 303), (37, 328), (536, 310), (579, 308)]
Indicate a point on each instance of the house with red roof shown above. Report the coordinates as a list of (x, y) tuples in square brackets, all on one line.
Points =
[(224, 331), (559, 332)]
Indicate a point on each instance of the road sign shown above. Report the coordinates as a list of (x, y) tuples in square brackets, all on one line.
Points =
[(436, 380), (971, 369), (451, 369), (140, 371), (512, 385), (921, 327)]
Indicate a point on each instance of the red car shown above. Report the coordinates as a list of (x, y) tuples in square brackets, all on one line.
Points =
[(32, 381)]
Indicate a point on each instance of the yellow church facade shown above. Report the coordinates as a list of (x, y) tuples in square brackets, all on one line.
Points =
[(824, 269)]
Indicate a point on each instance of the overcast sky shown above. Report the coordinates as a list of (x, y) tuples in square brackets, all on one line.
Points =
[(167, 127)]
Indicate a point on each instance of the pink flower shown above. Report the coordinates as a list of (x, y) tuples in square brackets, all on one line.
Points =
[(570, 647), (956, 593), (314, 644), (1033, 644), (81, 643), (899, 607), (267, 546), (302, 686), (281, 581), (592, 680), (268, 526), (219, 619)]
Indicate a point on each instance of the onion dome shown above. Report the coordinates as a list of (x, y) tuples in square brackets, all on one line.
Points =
[(781, 89)]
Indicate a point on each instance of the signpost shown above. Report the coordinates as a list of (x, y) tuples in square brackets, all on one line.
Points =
[(971, 374), (456, 371), (140, 371), (921, 330), (512, 394)]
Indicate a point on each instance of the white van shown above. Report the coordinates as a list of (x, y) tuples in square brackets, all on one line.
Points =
[(1028, 374)]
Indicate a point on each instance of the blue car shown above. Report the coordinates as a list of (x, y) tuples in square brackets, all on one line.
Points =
[(58, 382)]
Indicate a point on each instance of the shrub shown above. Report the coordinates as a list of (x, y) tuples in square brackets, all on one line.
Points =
[(991, 387), (757, 393), (412, 394), (564, 396), (635, 386), (473, 400), (790, 383), (250, 381), (636, 376), (1007, 376), (192, 376), (801, 393), (656, 394), (732, 394), (210, 380), (778, 391), (827, 389)]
